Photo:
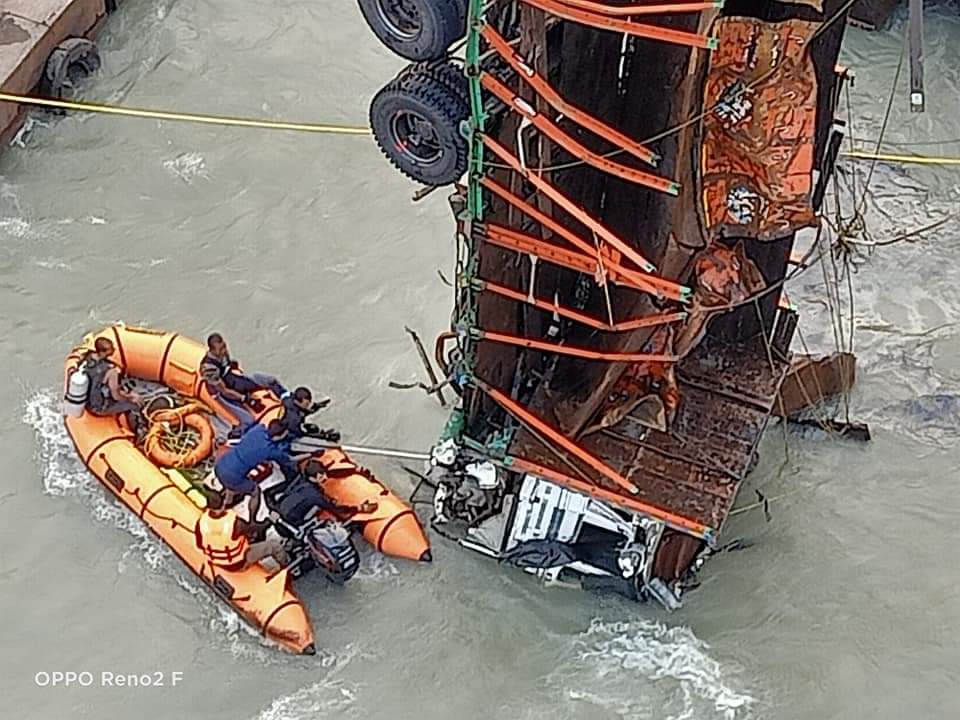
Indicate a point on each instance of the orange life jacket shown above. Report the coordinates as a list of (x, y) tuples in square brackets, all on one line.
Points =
[(220, 540)]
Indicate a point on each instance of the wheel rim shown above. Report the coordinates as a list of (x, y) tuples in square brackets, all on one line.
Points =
[(401, 17), (415, 137)]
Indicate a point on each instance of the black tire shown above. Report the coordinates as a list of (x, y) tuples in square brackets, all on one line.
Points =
[(416, 122), (416, 29), (71, 62), (446, 72)]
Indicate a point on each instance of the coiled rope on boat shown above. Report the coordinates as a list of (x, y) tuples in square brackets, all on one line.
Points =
[(178, 437)]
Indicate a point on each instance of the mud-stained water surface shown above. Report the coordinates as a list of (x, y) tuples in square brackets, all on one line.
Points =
[(306, 252)]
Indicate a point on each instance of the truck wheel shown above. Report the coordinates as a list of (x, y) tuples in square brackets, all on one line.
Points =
[(71, 62), (416, 122), (446, 72), (416, 29)]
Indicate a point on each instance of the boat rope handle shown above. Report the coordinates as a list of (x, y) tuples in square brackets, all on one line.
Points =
[(183, 117)]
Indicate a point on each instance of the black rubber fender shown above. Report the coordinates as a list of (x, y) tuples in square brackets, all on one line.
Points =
[(71, 61), (435, 106), (416, 29)]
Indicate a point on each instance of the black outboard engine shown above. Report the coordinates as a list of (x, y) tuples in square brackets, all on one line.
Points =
[(314, 543), (328, 547), (322, 545)]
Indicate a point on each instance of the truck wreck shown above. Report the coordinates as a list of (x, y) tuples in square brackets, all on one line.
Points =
[(636, 175)]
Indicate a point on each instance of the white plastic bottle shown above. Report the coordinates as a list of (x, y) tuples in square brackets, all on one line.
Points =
[(75, 398)]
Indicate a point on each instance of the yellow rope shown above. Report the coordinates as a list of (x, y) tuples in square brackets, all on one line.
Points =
[(918, 159), (183, 117)]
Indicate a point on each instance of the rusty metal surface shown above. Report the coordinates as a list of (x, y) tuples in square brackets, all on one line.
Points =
[(741, 371), (710, 430), (674, 555), (811, 381), (696, 468), (758, 147)]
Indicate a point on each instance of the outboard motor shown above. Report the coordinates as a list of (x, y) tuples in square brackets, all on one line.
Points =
[(78, 390), (332, 552)]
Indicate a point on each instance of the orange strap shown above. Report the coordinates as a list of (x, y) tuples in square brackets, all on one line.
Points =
[(516, 240), (584, 353), (672, 519), (541, 217), (545, 251), (544, 90), (628, 10), (578, 316), (552, 131), (605, 22), (567, 204), (555, 436)]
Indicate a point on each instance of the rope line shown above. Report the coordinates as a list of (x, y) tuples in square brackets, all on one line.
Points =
[(184, 117), (885, 157)]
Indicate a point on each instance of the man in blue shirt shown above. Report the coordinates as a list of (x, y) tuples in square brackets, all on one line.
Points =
[(258, 445)]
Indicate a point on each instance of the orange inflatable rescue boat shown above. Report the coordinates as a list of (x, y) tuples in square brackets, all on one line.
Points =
[(156, 477)]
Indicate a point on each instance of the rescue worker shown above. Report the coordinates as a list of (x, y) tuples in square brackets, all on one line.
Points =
[(107, 395), (231, 543), (258, 445), (297, 407), (231, 386), (305, 496)]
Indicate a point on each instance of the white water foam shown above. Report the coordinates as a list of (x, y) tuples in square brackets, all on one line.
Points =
[(64, 475), (677, 679), (329, 697), (187, 166), (375, 566)]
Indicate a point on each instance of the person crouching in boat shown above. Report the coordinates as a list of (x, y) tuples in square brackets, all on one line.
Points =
[(231, 543), (107, 395), (297, 407), (231, 386), (258, 445), (305, 496)]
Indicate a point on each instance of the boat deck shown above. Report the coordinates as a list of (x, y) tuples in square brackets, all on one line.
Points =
[(695, 468)]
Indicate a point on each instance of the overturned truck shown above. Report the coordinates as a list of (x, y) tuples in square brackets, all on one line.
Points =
[(635, 175)]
